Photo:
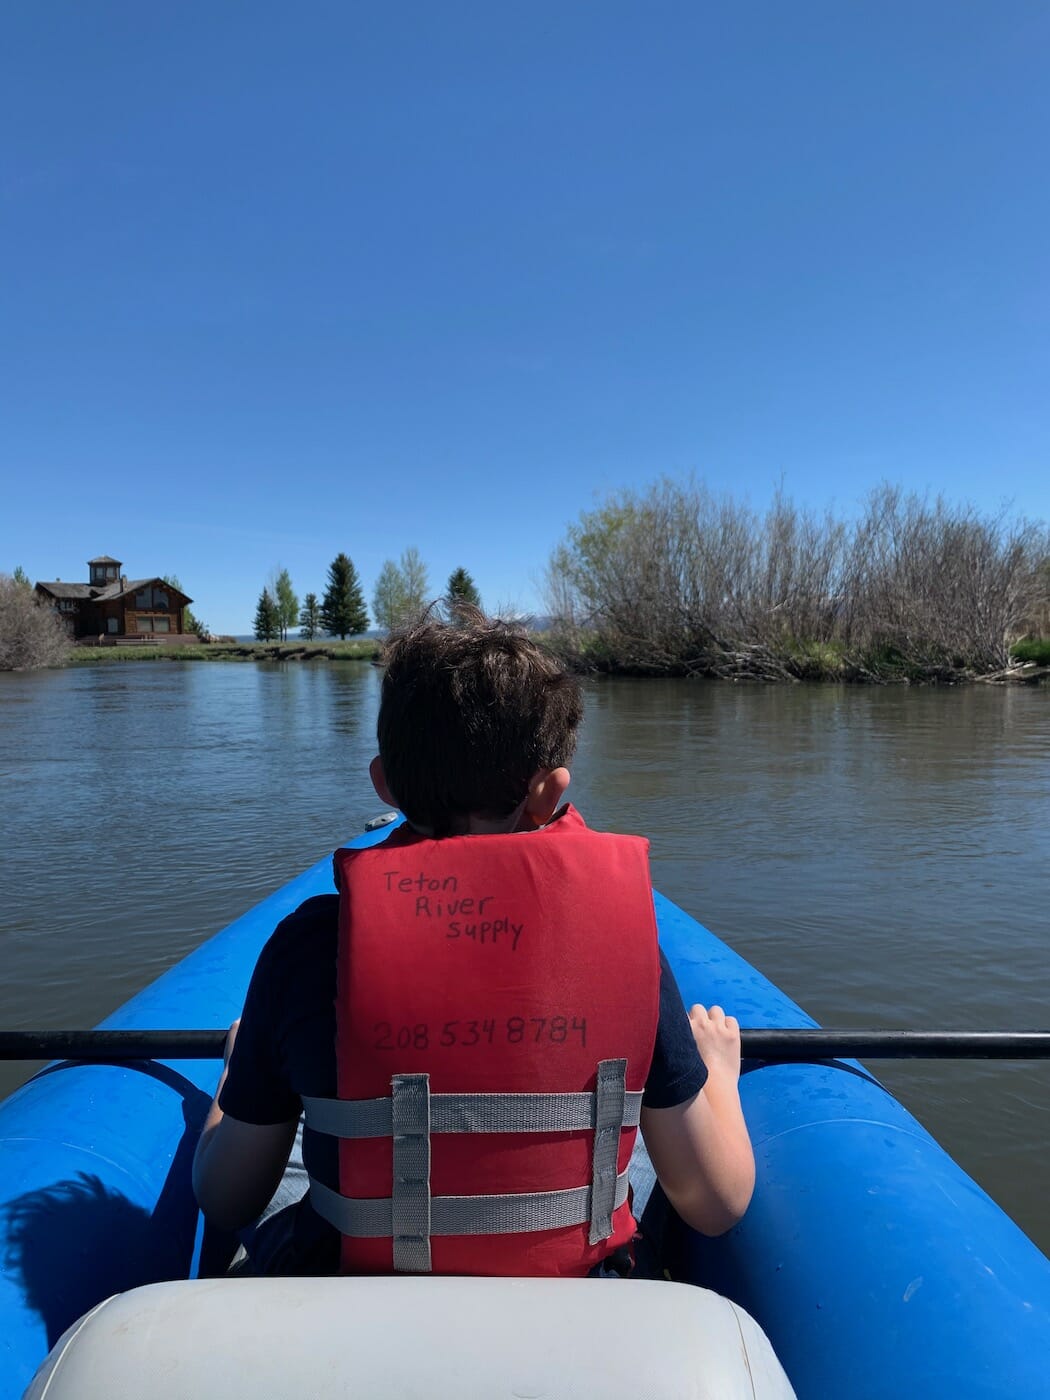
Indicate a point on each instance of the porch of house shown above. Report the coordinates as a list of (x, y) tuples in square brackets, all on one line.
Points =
[(141, 639)]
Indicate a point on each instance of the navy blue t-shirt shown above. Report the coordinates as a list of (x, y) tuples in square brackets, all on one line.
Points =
[(285, 1049)]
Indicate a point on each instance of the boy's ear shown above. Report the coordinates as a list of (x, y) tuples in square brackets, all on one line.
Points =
[(378, 776), (546, 790)]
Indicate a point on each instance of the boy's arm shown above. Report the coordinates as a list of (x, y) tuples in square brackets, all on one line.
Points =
[(700, 1149), (237, 1166)]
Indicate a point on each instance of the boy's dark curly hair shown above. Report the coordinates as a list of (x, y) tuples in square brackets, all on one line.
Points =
[(470, 711)]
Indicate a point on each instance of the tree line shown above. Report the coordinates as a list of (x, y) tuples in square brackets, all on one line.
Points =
[(402, 592), (674, 580)]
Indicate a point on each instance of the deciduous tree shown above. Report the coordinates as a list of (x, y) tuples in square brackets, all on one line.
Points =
[(287, 602), (189, 622), (343, 610), (414, 573), (388, 599), (401, 591)]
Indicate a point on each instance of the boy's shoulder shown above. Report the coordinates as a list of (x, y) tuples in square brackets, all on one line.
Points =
[(306, 933)]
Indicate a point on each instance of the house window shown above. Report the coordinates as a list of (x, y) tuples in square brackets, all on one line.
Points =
[(111, 624), (162, 624), (151, 598), (153, 624)]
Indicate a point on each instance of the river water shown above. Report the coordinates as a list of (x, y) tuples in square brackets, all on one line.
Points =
[(882, 854)]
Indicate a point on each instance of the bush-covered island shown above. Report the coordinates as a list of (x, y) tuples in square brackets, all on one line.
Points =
[(677, 581)]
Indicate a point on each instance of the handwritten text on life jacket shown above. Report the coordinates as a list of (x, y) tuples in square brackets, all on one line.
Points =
[(437, 897)]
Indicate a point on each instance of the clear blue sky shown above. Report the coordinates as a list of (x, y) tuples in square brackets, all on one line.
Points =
[(282, 280)]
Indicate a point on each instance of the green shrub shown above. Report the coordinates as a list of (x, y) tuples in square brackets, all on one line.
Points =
[(1037, 650)]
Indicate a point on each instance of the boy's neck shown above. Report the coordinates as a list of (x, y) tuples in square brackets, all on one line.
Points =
[(480, 824)]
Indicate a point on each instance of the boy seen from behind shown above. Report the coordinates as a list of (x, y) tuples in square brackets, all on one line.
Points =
[(480, 1020)]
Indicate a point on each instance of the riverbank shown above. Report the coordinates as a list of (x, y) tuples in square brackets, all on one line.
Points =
[(716, 658), (365, 650), (596, 655)]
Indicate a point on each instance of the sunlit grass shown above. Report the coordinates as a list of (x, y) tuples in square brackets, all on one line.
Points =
[(324, 650), (1037, 650)]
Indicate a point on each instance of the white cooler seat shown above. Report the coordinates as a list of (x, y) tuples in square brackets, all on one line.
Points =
[(438, 1338)]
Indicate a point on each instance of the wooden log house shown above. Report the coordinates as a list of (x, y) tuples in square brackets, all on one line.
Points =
[(112, 610)]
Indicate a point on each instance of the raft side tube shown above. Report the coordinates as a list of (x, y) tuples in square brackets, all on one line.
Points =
[(95, 1190), (876, 1266)]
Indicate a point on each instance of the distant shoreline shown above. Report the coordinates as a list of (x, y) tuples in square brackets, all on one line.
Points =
[(1025, 670), (329, 649)]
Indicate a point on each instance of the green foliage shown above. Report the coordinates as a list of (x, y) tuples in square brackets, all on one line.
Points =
[(461, 589), (287, 602), (343, 610), (310, 618), (267, 617), (389, 597), (414, 573), (189, 623), (226, 651), (21, 577), (401, 591), (1037, 650), (816, 661)]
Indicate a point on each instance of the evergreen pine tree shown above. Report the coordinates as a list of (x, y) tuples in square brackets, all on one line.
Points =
[(267, 618), (343, 610), (310, 618), (461, 589)]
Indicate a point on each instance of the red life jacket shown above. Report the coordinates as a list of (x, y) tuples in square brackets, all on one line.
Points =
[(496, 1013)]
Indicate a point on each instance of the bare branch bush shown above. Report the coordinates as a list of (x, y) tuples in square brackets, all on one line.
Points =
[(940, 586), (678, 581), (31, 634)]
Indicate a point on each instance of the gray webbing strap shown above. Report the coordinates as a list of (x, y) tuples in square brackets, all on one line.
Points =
[(468, 1113), (410, 1193), (609, 1099), (464, 1215)]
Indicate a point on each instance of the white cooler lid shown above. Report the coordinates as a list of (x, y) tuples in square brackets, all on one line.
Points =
[(438, 1338)]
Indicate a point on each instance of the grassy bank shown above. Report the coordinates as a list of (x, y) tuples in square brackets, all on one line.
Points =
[(1037, 651), (226, 651), (596, 653), (788, 660)]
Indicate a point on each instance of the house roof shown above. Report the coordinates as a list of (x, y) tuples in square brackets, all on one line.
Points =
[(105, 559), (120, 589), (112, 591), (68, 590)]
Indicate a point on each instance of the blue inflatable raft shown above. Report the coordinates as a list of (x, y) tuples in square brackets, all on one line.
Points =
[(875, 1265)]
